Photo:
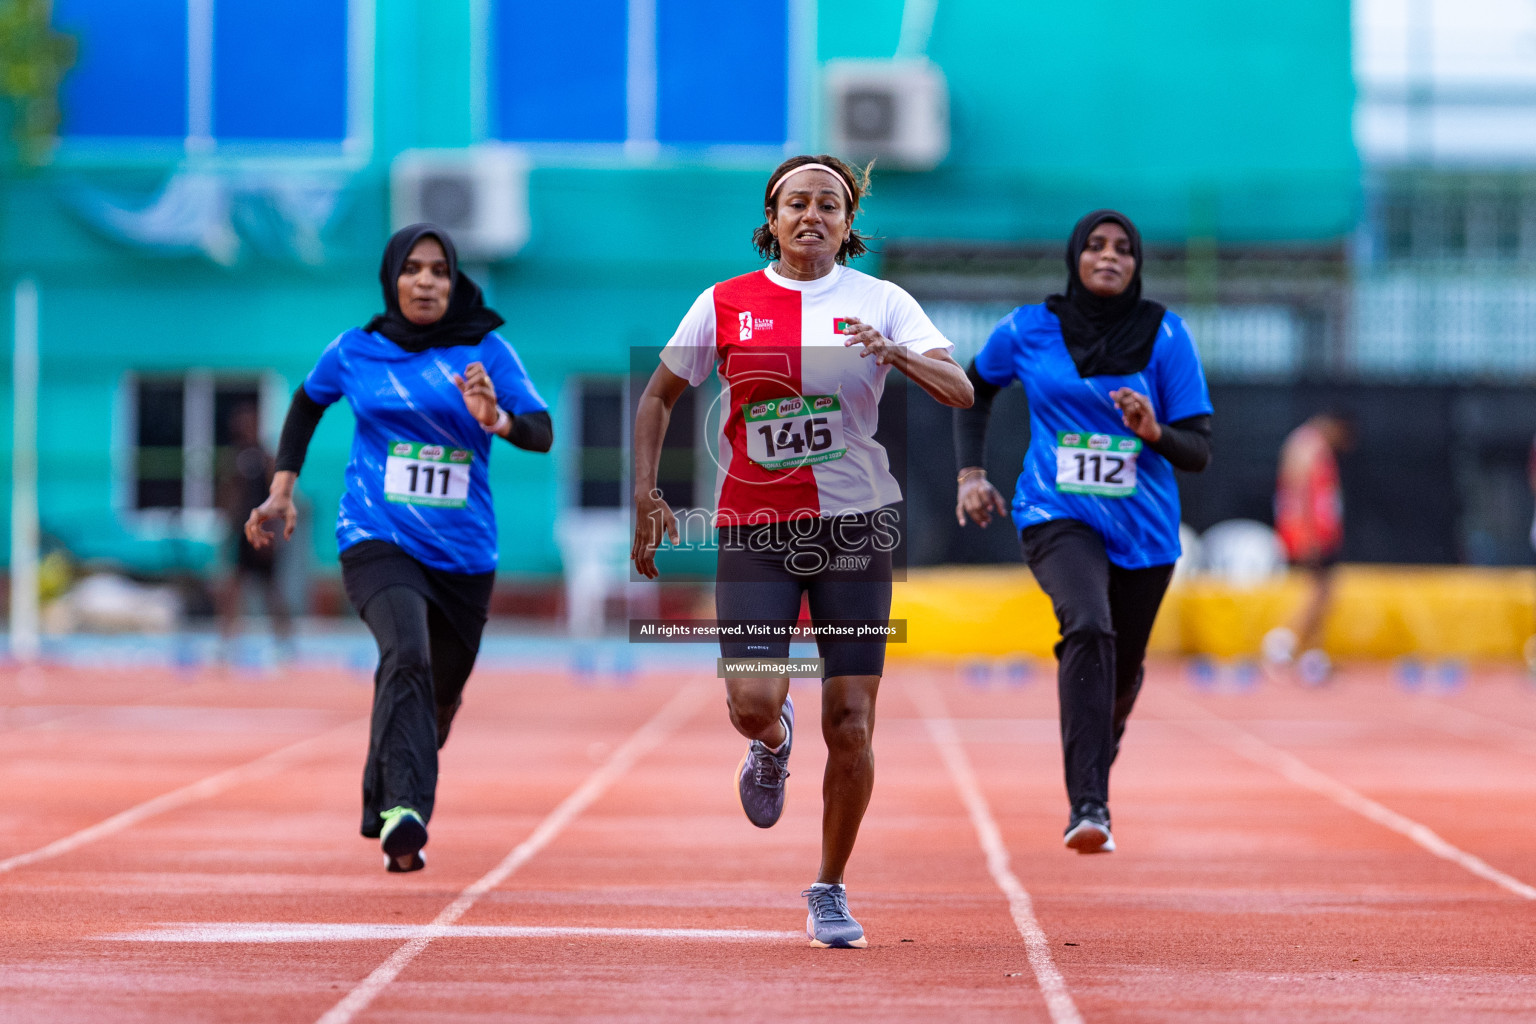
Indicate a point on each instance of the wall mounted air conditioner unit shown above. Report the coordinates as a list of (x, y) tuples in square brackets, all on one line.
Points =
[(479, 193), (893, 111)]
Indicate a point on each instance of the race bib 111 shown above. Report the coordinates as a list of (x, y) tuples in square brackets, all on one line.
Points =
[(427, 474), (1103, 465), (786, 433)]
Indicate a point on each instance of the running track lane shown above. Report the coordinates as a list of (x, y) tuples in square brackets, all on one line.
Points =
[(668, 848), (942, 730), (1237, 894), (278, 846), (656, 730)]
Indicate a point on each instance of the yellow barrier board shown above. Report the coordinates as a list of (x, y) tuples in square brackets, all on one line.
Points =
[(1377, 612)]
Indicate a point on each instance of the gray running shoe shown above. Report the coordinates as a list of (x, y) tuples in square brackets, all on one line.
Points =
[(1088, 831), (403, 836), (829, 925), (761, 774)]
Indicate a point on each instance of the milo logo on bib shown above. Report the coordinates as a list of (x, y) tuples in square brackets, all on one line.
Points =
[(791, 406)]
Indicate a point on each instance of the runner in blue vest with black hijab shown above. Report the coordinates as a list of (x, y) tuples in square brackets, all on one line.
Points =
[(429, 382), (1117, 402)]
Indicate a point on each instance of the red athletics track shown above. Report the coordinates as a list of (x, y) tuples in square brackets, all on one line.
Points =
[(1355, 854)]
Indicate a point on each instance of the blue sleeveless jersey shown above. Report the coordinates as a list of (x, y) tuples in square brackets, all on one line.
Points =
[(1083, 462), (417, 474)]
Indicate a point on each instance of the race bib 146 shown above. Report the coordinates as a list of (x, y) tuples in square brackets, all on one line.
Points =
[(427, 474), (1103, 465), (785, 433)]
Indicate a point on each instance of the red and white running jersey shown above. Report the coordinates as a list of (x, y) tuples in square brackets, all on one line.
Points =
[(798, 409)]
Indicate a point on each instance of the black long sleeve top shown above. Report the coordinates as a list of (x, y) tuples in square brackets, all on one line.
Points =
[(1185, 443), (531, 431)]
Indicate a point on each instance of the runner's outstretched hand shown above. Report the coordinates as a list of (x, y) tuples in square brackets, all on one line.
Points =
[(875, 344), (653, 518), (979, 500), (1136, 413), (479, 394), (277, 506)]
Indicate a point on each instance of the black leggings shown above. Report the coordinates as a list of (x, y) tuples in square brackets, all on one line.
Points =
[(1106, 615), (423, 665), (842, 566)]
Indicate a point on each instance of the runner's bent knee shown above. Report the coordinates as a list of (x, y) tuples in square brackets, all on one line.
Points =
[(755, 704)]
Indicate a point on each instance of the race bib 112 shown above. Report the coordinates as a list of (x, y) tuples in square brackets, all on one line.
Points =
[(786, 433), (1103, 465), (427, 474)]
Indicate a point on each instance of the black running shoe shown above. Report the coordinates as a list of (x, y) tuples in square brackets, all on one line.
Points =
[(1088, 829), (401, 839)]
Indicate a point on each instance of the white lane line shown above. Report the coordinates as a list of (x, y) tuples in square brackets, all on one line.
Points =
[(213, 785), (941, 729), (650, 735), (268, 932), (1224, 732)]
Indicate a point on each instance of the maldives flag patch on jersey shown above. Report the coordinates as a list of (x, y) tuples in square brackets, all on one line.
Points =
[(844, 325)]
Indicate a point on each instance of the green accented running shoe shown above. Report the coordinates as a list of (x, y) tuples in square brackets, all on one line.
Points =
[(403, 836)]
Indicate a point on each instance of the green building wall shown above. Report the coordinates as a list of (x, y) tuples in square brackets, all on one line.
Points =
[(1199, 119)]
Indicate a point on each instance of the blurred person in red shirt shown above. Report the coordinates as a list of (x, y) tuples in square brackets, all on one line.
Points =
[(1309, 517)]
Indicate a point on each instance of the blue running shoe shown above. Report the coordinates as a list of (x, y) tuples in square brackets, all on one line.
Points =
[(829, 924), (761, 774), (402, 837)]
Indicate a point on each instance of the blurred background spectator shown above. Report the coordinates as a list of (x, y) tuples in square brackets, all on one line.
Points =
[(245, 473)]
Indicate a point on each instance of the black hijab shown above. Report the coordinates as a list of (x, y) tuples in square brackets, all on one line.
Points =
[(468, 319), (1106, 336)]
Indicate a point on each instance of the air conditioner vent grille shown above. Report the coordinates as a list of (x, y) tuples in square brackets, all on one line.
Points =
[(480, 194)]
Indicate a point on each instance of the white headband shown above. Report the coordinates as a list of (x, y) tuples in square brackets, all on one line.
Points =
[(810, 167)]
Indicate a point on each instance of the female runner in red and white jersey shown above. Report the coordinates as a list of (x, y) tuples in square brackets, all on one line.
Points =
[(803, 492)]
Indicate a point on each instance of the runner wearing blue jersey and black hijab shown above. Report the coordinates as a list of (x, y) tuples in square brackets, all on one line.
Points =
[(1117, 402), (429, 382)]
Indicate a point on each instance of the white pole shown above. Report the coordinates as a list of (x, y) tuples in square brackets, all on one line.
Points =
[(640, 83), (199, 76), (24, 540)]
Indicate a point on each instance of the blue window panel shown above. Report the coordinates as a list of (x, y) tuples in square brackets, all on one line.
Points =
[(130, 76), (560, 70), (280, 69), (722, 72)]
